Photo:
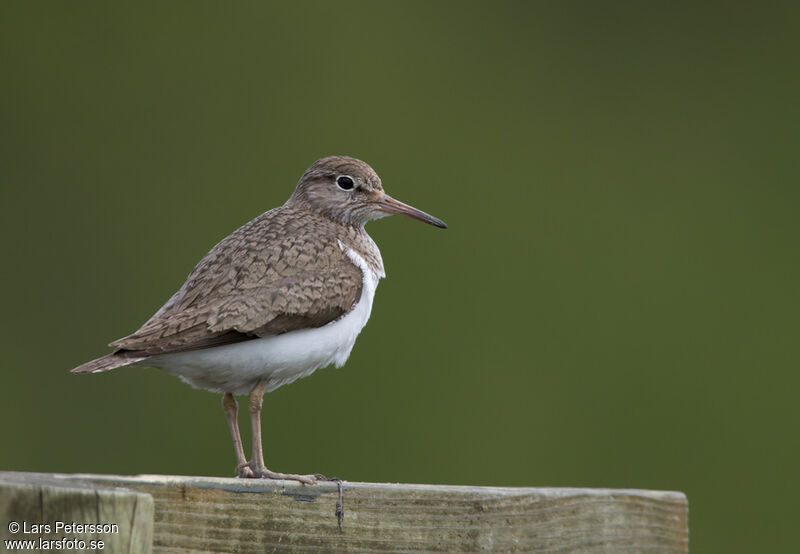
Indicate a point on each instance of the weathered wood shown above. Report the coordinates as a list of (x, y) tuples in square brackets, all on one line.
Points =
[(39, 507), (232, 515)]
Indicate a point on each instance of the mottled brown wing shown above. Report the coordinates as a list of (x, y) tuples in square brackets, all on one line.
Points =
[(263, 280)]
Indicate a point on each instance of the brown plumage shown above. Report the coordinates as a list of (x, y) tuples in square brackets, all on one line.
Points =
[(280, 272), (298, 267)]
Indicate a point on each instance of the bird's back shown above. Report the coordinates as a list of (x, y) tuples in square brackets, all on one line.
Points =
[(287, 270)]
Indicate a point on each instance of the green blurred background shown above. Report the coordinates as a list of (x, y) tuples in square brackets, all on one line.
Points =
[(614, 304)]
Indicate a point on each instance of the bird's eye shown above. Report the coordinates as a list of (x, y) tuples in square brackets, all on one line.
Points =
[(345, 182)]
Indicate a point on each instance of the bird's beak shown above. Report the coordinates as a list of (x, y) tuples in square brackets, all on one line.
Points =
[(389, 205)]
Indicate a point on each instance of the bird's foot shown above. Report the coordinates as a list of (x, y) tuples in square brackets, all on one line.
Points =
[(243, 471), (263, 473)]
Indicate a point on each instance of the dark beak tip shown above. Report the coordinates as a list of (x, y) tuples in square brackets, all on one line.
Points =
[(392, 206)]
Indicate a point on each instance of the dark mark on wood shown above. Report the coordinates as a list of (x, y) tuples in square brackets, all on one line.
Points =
[(339, 504), (301, 497)]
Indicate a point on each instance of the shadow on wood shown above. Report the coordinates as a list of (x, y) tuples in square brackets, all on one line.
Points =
[(175, 514)]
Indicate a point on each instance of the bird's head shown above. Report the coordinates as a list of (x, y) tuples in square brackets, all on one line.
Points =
[(348, 190)]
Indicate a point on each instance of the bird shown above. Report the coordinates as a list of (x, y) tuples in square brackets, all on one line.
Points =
[(283, 295)]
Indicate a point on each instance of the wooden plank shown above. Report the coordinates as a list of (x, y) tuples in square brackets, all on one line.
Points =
[(44, 508), (232, 515)]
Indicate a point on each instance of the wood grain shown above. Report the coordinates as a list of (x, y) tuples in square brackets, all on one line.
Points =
[(232, 515), (38, 498)]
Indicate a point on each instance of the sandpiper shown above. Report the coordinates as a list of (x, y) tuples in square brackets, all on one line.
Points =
[(280, 297)]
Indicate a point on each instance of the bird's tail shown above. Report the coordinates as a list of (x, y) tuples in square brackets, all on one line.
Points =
[(110, 361)]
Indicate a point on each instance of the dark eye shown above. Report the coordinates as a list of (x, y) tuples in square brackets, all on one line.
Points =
[(345, 182)]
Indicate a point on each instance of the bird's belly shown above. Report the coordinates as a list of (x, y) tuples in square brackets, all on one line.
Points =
[(280, 359)]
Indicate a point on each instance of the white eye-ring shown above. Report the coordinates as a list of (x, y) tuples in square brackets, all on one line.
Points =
[(345, 182)]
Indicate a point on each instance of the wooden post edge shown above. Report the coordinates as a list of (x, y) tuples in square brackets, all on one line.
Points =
[(41, 511), (179, 513)]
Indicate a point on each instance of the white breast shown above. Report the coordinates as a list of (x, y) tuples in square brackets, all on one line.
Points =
[(281, 359)]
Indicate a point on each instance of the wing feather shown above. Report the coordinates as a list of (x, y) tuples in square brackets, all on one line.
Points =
[(265, 279)]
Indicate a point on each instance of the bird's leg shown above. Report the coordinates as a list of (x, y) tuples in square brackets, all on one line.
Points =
[(257, 461), (232, 412)]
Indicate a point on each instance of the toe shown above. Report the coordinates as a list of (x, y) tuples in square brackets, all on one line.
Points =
[(243, 471), (305, 479)]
